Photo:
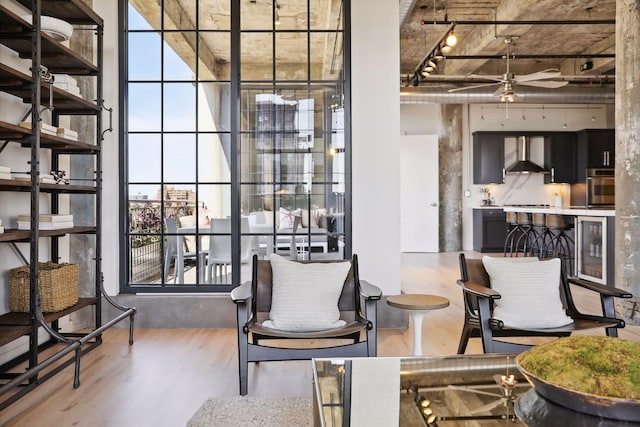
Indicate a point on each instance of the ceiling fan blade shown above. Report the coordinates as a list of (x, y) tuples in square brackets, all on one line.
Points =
[(492, 78), (540, 75), (553, 84), (458, 89)]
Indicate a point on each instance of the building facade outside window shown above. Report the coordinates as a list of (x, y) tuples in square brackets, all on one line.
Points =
[(234, 139)]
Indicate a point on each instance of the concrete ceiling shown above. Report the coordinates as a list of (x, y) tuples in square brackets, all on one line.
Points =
[(564, 46), (481, 48)]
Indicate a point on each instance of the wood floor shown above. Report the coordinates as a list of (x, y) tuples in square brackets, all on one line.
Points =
[(168, 373)]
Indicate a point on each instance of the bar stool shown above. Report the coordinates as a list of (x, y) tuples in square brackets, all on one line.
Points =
[(514, 232), (522, 233), (528, 236), (543, 235), (561, 244)]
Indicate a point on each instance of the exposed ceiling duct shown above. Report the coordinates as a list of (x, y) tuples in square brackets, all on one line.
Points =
[(406, 6), (529, 95), (523, 164)]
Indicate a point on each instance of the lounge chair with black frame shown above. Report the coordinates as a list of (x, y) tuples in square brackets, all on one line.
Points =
[(480, 298), (254, 303)]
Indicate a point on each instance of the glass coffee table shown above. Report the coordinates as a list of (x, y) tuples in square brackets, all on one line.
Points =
[(454, 391)]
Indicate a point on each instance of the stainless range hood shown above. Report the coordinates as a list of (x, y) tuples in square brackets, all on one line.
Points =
[(523, 164)]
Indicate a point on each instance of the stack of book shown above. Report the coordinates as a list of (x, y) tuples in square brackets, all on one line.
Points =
[(46, 222), (68, 134), (5, 172), (44, 179), (66, 83), (1, 227), (44, 128)]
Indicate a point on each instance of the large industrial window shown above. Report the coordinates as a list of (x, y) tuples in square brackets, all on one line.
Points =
[(235, 140)]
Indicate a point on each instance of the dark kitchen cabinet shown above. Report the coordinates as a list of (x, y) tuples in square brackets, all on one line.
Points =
[(488, 158), (560, 158), (489, 229), (596, 149)]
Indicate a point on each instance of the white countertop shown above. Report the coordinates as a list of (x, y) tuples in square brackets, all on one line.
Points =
[(575, 211)]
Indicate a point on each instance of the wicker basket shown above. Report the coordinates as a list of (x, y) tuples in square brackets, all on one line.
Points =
[(57, 284)]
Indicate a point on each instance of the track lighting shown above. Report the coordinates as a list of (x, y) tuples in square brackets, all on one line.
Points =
[(277, 21), (451, 39), (430, 62), (437, 54)]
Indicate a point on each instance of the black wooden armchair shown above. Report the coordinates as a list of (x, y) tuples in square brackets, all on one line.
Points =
[(479, 300), (253, 300)]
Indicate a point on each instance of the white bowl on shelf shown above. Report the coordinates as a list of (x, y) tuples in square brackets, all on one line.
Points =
[(53, 27)]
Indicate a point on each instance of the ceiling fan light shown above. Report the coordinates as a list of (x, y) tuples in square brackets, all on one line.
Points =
[(507, 96)]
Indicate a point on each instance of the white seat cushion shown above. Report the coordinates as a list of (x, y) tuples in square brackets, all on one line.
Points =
[(530, 292), (305, 296)]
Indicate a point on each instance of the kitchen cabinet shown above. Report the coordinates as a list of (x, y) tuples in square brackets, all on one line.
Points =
[(47, 55), (560, 158), (596, 149), (488, 158), (489, 229)]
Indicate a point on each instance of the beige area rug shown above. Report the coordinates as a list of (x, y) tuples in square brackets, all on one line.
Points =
[(249, 411)]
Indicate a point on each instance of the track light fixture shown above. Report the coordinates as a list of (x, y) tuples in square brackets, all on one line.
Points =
[(430, 62), (451, 39), (277, 21), (437, 54)]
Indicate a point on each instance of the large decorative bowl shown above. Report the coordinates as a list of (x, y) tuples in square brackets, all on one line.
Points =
[(617, 408), (53, 27)]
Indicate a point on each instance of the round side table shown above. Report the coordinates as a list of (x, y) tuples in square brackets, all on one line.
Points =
[(417, 305)]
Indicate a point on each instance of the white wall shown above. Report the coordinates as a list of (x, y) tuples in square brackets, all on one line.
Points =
[(111, 208), (376, 141), (517, 189)]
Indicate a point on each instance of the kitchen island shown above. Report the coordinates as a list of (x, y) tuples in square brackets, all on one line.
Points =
[(570, 211)]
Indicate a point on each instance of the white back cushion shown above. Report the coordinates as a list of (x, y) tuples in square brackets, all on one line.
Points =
[(305, 296), (530, 292)]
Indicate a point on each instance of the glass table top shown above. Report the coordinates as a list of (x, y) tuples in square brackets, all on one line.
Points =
[(433, 391), (453, 391)]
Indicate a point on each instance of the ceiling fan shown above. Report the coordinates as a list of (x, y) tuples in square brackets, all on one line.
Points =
[(508, 80)]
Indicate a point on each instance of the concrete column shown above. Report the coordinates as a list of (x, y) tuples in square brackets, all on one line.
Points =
[(450, 158), (627, 246)]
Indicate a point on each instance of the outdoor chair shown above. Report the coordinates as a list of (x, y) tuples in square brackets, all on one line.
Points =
[(316, 301), (171, 252), (481, 298)]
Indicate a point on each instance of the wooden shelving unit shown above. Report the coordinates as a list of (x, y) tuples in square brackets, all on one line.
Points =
[(26, 371)]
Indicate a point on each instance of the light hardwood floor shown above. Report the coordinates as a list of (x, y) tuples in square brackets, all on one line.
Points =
[(168, 373)]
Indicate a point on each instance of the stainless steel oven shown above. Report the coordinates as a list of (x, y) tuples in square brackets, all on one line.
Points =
[(601, 184)]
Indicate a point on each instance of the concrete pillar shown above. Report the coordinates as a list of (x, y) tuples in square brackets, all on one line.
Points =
[(450, 158), (627, 246)]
